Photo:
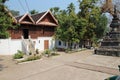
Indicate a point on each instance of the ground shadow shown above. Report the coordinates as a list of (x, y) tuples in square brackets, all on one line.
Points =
[(1, 59), (1, 67)]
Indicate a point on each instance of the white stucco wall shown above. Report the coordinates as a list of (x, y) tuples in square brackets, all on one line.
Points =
[(62, 44), (39, 43), (9, 47)]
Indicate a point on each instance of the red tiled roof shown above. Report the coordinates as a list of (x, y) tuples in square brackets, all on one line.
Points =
[(37, 16), (19, 17)]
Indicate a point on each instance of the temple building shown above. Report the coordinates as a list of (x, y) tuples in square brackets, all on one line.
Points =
[(34, 32)]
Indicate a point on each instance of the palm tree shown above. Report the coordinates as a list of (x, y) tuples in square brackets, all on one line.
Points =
[(33, 11), (71, 8), (55, 10)]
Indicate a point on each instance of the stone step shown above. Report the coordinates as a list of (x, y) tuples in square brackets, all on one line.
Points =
[(107, 52)]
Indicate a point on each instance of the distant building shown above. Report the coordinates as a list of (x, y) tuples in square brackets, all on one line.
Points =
[(35, 32)]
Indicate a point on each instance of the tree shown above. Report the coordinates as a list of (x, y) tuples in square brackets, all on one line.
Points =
[(92, 14), (5, 20), (3, 1), (71, 8), (55, 11), (33, 12), (88, 25), (101, 28), (15, 13), (68, 22)]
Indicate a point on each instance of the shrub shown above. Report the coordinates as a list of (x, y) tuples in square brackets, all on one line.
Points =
[(37, 51), (54, 54), (54, 50), (18, 55), (30, 53), (31, 58), (67, 50), (47, 52)]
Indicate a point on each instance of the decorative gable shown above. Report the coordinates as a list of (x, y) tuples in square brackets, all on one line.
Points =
[(26, 19), (47, 19)]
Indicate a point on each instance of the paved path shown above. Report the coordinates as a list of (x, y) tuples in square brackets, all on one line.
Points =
[(77, 66)]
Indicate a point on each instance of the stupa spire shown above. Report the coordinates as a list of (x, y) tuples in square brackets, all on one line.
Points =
[(108, 7)]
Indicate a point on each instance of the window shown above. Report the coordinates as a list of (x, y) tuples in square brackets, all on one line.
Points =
[(51, 29), (59, 43)]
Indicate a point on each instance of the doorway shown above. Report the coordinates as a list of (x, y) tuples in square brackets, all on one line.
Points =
[(25, 33), (46, 44)]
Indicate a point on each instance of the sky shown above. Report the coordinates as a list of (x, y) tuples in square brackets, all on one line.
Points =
[(39, 5)]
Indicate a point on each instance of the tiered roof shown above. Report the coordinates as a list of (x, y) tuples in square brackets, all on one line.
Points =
[(37, 19)]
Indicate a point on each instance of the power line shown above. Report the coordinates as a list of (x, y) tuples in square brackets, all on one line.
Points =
[(22, 6), (27, 5)]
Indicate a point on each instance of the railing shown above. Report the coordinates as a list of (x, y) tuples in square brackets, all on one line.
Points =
[(31, 42), (25, 46), (28, 46), (31, 46)]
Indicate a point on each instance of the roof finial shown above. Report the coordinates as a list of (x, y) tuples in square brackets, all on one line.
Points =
[(115, 11)]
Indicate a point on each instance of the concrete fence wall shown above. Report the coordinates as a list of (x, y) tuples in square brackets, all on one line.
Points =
[(9, 47), (61, 44), (40, 43)]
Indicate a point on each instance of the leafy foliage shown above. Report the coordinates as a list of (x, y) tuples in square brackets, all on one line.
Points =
[(15, 13), (18, 55), (101, 28), (5, 20), (96, 23), (87, 24), (47, 52), (33, 12), (31, 58)]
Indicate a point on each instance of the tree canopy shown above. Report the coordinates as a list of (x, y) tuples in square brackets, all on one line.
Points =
[(15, 13), (5, 20), (33, 11), (74, 27)]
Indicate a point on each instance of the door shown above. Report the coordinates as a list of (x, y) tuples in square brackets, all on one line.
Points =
[(25, 33), (46, 44)]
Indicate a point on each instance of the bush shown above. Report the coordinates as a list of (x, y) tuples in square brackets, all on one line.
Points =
[(54, 50), (67, 50), (37, 51), (18, 55), (54, 54), (30, 53), (47, 52), (31, 58)]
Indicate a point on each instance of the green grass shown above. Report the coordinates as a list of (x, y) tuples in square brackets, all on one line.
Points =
[(18, 55), (31, 58)]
